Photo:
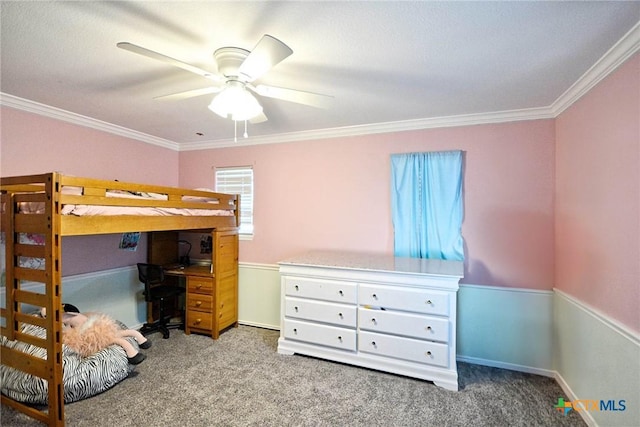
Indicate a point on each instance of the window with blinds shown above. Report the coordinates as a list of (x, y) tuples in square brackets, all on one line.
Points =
[(238, 180)]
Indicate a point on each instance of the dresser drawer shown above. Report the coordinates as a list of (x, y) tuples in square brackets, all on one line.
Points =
[(328, 312), (407, 324), (426, 352), (202, 285), (199, 302), (406, 299), (328, 290), (199, 320), (329, 336)]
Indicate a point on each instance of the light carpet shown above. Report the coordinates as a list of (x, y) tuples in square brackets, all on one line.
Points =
[(241, 380)]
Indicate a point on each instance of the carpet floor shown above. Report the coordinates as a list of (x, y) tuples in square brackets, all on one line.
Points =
[(240, 380)]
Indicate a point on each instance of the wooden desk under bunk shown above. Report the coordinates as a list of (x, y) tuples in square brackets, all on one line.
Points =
[(211, 303), (55, 205)]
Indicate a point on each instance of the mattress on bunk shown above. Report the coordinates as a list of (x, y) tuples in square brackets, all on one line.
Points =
[(82, 377), (88, 210)]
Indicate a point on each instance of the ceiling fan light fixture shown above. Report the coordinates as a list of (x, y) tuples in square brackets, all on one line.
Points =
[(236, 103)]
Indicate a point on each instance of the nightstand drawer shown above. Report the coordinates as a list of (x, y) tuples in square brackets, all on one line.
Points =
[(327, 312), (405, 299), (199, 302), (407, 324), (199, 320), (426, 352), (202, 285), (329, 336), (327, 290)]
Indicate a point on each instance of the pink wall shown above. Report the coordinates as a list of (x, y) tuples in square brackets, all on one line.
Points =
[(334, 194), (33, 144), (598, 196)]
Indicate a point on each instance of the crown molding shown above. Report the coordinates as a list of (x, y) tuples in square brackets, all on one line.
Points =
[(614, 57), (376, 128), (80, 120)]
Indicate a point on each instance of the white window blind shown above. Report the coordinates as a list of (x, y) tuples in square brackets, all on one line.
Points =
[(238, 180)]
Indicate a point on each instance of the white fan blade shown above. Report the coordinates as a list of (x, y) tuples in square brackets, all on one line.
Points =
[(166, 59), (189, 94), (292, 95), (268, 52), (259, 118)]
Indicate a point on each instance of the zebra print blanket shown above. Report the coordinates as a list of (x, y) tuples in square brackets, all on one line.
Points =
[(81, 377)]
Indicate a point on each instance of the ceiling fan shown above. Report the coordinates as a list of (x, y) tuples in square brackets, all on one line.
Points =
[(238, 69)]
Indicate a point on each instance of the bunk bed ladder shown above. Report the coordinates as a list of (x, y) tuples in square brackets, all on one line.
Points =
[(45, 224)]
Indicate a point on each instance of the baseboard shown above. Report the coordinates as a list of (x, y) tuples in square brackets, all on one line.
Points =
[(571, 396), (259, 325), (510, 366), (596, 358)]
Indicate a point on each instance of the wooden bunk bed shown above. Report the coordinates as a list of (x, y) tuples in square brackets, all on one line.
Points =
[(39, 204)]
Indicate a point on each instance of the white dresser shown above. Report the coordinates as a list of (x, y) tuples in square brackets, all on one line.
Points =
[(377, 311)]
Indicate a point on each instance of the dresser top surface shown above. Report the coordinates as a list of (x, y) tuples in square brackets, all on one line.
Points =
[(377, 262)]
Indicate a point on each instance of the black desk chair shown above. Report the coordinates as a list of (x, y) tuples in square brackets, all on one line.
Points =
[(156, 291)]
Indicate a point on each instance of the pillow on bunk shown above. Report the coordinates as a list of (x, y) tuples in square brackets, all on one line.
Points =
[(82, 377)]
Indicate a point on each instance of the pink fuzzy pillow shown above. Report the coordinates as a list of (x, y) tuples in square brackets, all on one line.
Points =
[(97, 332)]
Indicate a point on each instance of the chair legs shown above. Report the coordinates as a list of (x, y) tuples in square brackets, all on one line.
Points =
[(161, 325), (150, 328)]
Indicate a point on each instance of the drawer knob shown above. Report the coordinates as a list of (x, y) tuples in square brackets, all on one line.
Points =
[(295, 331), (373, 343), (428, 302), (428, 328), (373, 320), (198, 286), (340, 339), (295, 308), (296, 287), (198, 303), (197, 321), (341, 293), (428, 354), (374, 296), (340, 315)]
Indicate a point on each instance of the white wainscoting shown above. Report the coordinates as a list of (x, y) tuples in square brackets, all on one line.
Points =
[(507, 328), (502, 327), (259, 295), (596, 358), (542, 332), (116, 292)]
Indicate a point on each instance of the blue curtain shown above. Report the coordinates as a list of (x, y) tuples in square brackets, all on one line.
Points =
[(427, 209)]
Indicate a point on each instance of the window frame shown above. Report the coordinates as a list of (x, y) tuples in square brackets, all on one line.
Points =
[(246, 231)]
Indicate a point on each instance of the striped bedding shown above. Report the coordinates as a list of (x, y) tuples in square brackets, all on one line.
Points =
[(82, 377)]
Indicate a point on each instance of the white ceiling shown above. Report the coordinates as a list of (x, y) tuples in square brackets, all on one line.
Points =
[(388, 64)]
